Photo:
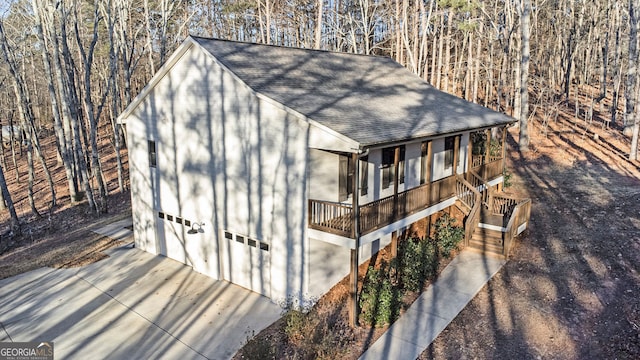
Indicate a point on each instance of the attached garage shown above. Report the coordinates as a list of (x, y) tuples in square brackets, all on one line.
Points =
[(247, 263)]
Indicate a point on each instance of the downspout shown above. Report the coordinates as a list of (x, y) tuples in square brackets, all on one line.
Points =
[(355, 253)]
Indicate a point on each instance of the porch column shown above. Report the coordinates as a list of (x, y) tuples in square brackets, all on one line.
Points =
[(355, 253), (396, 167), (504, 148), (487, 147), (456, 153), (429, 161), (394, 244), (470, 154)]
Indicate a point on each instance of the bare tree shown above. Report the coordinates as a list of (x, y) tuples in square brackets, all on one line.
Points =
[(525, 18), (631, 93)]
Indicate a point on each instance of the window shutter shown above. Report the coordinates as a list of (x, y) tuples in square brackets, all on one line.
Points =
[(364, 176), (343, 173)]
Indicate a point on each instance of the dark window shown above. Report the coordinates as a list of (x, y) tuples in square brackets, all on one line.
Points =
[(424, 163), (228, 235), (264, 246), (388, 168), (179, 220), (345, 177), (449, 145), (161, 215), (187, 223), (251, 242), (240, 239), (364, 175), (401, 165), (152, 153), (170, 217)]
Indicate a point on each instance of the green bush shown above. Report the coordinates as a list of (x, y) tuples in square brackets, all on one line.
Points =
[(507, 178), (417, 263), (448, 236), (379, 299)]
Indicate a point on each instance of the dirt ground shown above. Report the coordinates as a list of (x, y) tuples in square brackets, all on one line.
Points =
[(62, 237), (570, 290), (571, 287)]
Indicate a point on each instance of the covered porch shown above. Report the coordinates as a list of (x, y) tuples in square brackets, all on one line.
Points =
[(485, 165)]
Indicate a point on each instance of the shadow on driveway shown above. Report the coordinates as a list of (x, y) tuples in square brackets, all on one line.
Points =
[(131, 305)]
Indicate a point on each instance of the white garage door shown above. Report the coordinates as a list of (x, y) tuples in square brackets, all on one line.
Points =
[(247, 262), (171, 230)]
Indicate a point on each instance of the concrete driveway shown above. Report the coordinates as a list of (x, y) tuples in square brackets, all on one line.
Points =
[(132, 305)]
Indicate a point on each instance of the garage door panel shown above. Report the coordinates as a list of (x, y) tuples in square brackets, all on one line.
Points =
[(171, 242), (248, 263)]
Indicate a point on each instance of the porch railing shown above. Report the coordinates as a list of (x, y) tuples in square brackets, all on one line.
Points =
[(490, 170), (331, 217), (337, 218)]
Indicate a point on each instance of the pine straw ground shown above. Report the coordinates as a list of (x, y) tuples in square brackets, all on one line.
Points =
[(571, 288)]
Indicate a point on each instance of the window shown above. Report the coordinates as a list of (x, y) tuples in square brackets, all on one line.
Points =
[(152, 153), (364, 175), (388, 168), (449, 145), (425, 172), (229, 235), (345, 177), (401, 166)]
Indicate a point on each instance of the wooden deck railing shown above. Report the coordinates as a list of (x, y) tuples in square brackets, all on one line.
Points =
[(471, 198), (490, 170), (337, 218), (520, 216), (478, 182), (503, 204), (331, 217)]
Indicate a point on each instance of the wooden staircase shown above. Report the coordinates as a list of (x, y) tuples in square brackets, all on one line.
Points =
[(488, 237), (498, 218)]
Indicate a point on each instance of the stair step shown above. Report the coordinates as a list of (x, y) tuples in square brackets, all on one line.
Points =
[(485, 247), (488, 236), (488, 217), (487, 240)]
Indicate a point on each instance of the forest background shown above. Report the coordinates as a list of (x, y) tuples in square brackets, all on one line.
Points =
[(70, 67)]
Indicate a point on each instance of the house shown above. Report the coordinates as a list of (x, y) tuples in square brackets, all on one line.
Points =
[(280, 169)]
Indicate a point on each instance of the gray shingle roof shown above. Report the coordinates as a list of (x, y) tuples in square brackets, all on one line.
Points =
[(370, 99)]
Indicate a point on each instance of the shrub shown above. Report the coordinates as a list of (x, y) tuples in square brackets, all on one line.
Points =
[(379, 298), (448, 236), (507, 178), (417, 263)]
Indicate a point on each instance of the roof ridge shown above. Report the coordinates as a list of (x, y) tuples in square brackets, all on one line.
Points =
[(205, 38)]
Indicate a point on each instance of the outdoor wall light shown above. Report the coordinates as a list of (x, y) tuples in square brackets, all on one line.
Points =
[(196, 228)]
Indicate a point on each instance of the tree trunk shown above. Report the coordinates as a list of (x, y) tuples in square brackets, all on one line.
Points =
[(631, 92), (6, 197), (524, 75)]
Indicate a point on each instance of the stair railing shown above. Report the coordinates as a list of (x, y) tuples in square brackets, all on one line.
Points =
[(470, 197), (478, 182), (518, 222)]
